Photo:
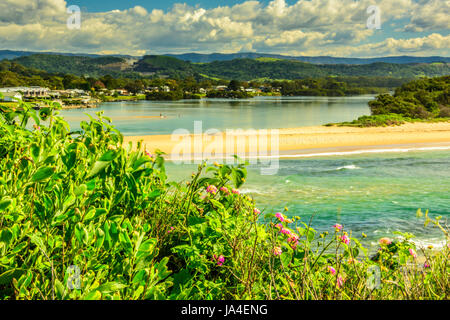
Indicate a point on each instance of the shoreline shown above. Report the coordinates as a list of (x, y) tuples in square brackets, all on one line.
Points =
[(304, 141)]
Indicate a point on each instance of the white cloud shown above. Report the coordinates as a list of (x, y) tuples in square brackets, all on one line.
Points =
[(325, 27)]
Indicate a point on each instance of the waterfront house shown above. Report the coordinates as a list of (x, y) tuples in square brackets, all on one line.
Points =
[(11, 96)]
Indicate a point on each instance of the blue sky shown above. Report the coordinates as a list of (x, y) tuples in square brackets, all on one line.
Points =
[(290, 27)]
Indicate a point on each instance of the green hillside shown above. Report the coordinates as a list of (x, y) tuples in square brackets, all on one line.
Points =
[(248, 69), (76, 65), (165, 66)]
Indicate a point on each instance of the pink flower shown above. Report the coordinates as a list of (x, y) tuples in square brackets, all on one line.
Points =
[(277, 251), (211, 189), (220, 260), (225, 190), (385, 241), (235, 191), (279, 226), (340, 281), (426, 265), (293, 240), (331, 270), (256, 211), (345, 239), (412, 253), (171, 229), (280, 216), (285, 231), (338, 227)]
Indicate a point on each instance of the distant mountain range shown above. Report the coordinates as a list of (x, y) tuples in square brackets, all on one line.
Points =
[(240, 68), (12, 54), (206, 58)]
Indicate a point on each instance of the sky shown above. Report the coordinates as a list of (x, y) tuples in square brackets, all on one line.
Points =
[(292, 27)]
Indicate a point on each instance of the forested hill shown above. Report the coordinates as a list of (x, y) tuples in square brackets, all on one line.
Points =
[(248, 69), (78, 65), (239, 69), (205, 58)]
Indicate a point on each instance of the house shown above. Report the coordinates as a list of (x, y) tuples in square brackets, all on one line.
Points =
[(221, 88), (11, 96), (28, 92), (121, 92)]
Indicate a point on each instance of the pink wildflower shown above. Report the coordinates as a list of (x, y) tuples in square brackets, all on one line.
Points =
[(225, 190), (171, 229), (331, 270), (235, 191), (426, 265), (293, 240), (256, 211), (220, 260), (412, 253), (345, 239), (285, 231), (338, 227), (277, 251), (279, 226), (340, 281), (385, 241), (211, 189), (280, 216)]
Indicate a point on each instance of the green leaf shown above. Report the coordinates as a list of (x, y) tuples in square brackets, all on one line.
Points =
[(98, 166), (93, 295), (5, 203), (108, 156), (42, 174), (6, 277), (146, 249), (80, 190), (111, 287), (286, 258)]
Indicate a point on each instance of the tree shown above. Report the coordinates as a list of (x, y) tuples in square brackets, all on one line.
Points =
[(234, 85)]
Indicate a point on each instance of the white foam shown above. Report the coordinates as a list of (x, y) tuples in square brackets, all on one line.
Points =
[(350, 167)]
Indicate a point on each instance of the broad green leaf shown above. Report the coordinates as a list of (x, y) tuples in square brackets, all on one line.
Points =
[(42, 174), (5, 203), (111, 287), (98, 166)]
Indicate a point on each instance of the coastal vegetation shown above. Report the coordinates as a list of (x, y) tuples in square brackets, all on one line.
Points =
[(85, 216), (426, 99)]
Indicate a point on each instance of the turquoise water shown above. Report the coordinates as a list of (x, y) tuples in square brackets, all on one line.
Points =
[(376, 194), (257, 113)]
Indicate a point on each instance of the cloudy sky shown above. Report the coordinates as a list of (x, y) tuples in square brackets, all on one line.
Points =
[(294, 27)]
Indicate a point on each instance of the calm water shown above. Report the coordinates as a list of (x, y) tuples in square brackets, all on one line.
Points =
[(372, 193), (257, 113)]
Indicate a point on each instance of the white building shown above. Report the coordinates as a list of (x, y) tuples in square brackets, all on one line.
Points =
[(28, 92), (11, 96)]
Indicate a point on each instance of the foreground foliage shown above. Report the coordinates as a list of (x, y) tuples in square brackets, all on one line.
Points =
[(84, 217)]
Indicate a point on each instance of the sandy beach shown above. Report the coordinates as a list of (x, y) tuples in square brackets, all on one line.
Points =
[(314, 140)]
